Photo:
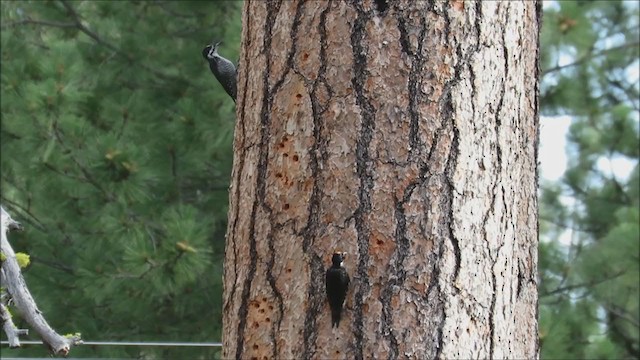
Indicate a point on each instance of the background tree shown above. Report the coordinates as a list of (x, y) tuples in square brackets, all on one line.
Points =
[(404, 133), (116, 144), (589, 289)]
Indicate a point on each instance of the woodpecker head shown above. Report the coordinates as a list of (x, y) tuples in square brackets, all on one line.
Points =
[(338, 259), (210, 51)]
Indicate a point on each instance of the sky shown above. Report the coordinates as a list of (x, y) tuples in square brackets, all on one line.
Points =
[(553, 142), (553, 159), (553, 151)]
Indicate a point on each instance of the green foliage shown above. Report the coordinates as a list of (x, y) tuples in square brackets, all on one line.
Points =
[(590, 288), (587, 49), (116, 144)]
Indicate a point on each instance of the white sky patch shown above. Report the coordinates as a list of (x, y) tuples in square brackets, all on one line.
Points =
[(553, 145), (633, 73), (553, 161), (618, 167), (547, 4), (553, 152)]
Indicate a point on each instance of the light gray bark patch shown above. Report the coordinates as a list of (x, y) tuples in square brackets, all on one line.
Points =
[(396, 272), (243, 310), (415, 78), (241, 157), (318, 155), (363, 170), (478, 21), (536, 107), (447, 114), (492, 325), (494, 191), (264, 143), (315, 293)]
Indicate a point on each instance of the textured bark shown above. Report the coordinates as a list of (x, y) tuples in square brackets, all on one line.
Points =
[(401, 132)]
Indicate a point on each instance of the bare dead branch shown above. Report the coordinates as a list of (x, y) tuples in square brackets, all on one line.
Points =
[(12, 331), (16, 288)]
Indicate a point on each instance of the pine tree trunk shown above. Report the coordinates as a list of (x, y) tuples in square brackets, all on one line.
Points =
[(401, 132)]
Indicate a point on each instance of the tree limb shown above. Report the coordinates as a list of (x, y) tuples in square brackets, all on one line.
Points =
[(80, 26), (38, 22), (587, 284), (588, 57), (12, 331), (622, 314), (16, 287)]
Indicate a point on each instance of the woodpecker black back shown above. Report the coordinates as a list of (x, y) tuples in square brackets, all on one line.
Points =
[(222, 69), (337, 285)]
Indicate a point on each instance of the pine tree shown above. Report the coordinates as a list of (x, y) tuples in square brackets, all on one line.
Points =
[(116, 144), (401, 132), (589, 290)]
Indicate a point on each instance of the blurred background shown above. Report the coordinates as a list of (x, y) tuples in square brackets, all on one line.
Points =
[(589, 191), (116, 146)]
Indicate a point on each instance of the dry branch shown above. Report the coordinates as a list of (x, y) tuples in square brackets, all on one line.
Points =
[(15, 288)]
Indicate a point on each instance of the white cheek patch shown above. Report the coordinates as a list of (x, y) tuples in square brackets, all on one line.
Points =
[(210, 54)]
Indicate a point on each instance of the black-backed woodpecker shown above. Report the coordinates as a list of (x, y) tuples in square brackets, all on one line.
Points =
[(222, 69), (337, 284)]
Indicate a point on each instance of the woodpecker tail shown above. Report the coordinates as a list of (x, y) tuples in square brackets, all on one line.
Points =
[(335, 316)]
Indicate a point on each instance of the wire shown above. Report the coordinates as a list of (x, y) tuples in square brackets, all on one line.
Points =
[(130, 343)]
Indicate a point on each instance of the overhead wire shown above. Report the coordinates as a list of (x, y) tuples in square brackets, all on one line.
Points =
[(130, 343)]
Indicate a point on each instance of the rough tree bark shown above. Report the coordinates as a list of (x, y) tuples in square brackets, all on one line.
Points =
[(402, 132)]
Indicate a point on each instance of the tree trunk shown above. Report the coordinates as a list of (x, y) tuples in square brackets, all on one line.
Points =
[(401, 132)]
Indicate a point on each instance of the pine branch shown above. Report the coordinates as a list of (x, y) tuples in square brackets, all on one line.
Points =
[(80, 26), (566, 225), (621, 335), (83, 169), (161, 5), (622, 314), (38, 22), (587, 284), (589, 57), (54, 265)]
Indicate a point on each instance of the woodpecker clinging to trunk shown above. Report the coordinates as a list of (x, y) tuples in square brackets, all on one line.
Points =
[(222, 69), (337, 284)]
